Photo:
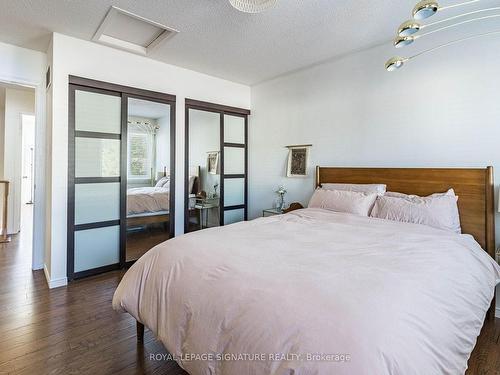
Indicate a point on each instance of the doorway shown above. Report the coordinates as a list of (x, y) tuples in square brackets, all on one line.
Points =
[(28, 171), (17, 148)]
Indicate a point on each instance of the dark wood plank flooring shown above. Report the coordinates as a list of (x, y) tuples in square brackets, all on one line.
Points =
[(68, 330), (73, 329)]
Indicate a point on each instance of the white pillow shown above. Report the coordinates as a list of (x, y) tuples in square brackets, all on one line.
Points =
[(437, 210), (343, 201), (360, 188), (163, 181), (450, 193)]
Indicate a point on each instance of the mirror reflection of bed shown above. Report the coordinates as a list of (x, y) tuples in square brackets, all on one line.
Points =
[(148, 176)]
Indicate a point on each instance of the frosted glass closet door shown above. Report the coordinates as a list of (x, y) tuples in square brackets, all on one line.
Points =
[(97, 147), (234, 169)]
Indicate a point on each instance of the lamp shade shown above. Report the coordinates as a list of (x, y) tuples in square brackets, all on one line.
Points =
[(252, 6), (403, 41), (425, 9), (409, 28), (394, 63)]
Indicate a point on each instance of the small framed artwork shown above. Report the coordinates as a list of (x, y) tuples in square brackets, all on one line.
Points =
[(298, 159), (213, 162)]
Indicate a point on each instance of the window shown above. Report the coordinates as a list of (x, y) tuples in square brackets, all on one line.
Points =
[(139, 155)]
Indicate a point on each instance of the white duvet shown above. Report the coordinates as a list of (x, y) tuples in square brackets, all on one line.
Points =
[(314, 292), (147, 199)]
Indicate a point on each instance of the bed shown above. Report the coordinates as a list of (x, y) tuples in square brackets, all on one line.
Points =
[(316, 292), (150, 204)]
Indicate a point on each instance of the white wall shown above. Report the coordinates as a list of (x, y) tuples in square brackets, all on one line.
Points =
[(17, 103), (440, 110), (86, 59), (27, 67), (2, 128)]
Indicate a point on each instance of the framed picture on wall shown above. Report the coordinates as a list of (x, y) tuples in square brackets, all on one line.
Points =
[(213, 162), (298, 159)]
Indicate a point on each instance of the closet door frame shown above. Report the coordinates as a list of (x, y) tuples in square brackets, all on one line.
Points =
[(124, 92), (222, 110)]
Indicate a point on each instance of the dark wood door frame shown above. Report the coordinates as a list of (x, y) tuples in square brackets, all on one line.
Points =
[(221, 110), (124, 92)]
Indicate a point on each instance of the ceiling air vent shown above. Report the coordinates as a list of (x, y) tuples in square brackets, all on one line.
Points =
[(130, 32)]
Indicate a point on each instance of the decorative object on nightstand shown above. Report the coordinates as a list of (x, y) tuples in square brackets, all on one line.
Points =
[(280, 206)]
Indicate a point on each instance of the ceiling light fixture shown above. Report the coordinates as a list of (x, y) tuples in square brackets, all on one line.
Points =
[(411, 27), (397, 62), (402, 41), (253, 6), (427, 8)]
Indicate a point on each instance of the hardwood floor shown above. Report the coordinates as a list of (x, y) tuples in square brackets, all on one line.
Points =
[(73, 329), (68, 330), (138, 243)]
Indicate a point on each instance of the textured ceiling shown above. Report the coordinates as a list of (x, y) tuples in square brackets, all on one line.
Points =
[(216, 39)]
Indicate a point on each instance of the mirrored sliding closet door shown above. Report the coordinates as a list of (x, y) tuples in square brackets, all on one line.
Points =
[(216, 165), (148, 176), (119, 181)]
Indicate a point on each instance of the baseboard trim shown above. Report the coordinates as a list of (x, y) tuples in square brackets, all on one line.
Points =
[(37, 267), (497, 312), (63, 281)]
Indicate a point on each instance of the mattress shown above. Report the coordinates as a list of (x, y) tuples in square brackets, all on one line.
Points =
[(147, 200), (314, 292)]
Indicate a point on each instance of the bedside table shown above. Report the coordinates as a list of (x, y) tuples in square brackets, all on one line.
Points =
[(274, 211), (203, 205), (271, 212)]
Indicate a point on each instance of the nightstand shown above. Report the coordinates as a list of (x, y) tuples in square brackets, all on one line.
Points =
[(203, 205), (271, 212)]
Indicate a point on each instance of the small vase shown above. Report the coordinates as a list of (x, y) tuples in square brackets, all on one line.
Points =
[(281, 203)]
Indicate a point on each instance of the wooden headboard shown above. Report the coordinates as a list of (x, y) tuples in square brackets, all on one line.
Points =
[(474, 188)]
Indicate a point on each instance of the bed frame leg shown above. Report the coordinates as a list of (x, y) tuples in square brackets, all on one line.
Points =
[(140, 332)]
